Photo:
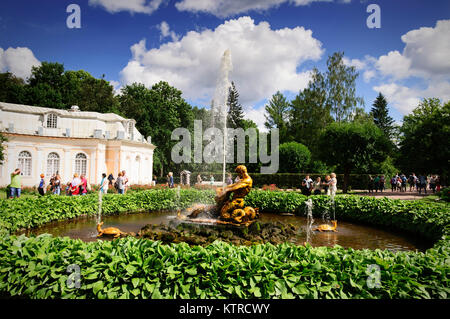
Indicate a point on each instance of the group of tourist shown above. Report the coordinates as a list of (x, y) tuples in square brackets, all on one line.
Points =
[(329, 185), (400, 183), (376, 183), (79, 185)]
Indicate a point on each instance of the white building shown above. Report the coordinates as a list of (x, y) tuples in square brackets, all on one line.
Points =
[(45, 140)]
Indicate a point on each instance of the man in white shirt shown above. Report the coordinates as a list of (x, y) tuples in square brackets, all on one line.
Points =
[(307, 186)]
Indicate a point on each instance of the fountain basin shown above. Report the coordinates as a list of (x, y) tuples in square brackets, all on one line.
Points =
[(350, 235)]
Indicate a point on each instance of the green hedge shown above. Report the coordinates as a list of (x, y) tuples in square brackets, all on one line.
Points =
[(36, 267)]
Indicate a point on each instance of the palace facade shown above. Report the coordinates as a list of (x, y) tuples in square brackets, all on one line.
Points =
[(50, 141)]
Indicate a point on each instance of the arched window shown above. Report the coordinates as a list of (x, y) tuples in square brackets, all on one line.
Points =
[(24, 163), (52, 164), (80, 164), (52, 120)]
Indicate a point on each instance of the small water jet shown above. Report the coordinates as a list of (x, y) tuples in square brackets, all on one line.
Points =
[(309, 219)]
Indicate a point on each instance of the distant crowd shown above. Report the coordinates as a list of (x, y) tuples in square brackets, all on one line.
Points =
[(79, 185), (400, 182)]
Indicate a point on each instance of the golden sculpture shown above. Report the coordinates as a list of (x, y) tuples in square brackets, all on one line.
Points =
[(326, 227), (231, 210), (110, 231)]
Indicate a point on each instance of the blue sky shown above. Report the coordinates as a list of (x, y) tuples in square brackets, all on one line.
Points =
[(186, 51)]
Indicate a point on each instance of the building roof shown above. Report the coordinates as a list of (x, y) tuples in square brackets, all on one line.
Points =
[(21, 108)]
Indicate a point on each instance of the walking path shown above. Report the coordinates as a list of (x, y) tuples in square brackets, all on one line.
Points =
[(396, 195)]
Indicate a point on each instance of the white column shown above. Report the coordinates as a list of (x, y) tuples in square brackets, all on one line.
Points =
[(11, 164), (92, 178), (67, 171), (40, 165)]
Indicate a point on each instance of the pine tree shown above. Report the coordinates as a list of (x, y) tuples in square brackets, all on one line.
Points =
[(235, 111), (380, 114)]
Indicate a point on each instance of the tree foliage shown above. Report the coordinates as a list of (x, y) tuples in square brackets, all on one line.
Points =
[(380, 114), (349, 145), (310, 112), (235, 111), (340, 84), (294, 157), (424, 140)]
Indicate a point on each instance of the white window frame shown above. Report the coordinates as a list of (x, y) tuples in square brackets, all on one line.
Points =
[(80, 166), (52, 120), (24, 162), (53, 163)]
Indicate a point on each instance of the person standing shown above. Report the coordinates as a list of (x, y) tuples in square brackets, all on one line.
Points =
[(83, 185), (376, 182), (75, 185), (199, 179), (433, 183), (212, 179), (104, 184), (370, 184), (125, 181), (317, 187), (57, 184), (326, 184), (41, 187), (307, 185), (110, 180), (120, 184), (16, 183), (381, 186), (333, 184), (438, 183), (422, 184)]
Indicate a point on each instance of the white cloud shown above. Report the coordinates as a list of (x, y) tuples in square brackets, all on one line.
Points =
[(407, 99), (420, 71), (426, 54), (394, 64), (166, 32), (227, 8), (264, 60), (18, 61), (257, 116), (132, 6)]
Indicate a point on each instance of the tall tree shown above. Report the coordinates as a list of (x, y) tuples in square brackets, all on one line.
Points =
[(157, 111), (277, 114), (235, 111), (341, 88), (349, 145), (380, 114), (11, 88), (310, 113), (424, 140)]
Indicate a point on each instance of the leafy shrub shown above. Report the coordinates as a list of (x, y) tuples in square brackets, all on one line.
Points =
[(444, 194), (36, 267)]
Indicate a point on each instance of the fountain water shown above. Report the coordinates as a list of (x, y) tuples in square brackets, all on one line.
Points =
[(309, 219), (99, 217), (219, 106)]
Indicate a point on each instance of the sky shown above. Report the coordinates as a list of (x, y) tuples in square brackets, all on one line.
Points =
[(274, 45)]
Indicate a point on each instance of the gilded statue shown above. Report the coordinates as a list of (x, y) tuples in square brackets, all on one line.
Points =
[(230, 203)]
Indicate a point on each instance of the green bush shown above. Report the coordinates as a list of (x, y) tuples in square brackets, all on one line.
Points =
[(444, 194), (36, 267), (295, 157)]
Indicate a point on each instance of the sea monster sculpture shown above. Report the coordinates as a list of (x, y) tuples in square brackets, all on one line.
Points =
[(231, 210), (326, 227), (110, 231)]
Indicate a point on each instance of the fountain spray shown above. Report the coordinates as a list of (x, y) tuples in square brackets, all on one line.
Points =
[(99, 217), (220, 101), (309, 219)]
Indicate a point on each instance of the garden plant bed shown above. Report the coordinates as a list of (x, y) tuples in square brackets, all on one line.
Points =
[(36, 267)]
